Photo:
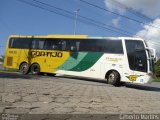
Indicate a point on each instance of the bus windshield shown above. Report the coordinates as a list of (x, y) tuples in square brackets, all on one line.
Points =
[(136, 55)]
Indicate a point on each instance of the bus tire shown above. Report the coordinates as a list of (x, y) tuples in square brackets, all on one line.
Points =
[(24, 68), (35, 69), (113, 78)]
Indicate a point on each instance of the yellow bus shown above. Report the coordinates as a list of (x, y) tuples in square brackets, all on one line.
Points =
[(115, 59)]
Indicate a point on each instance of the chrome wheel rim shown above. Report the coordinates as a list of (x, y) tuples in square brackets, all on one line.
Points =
[(24, 68), (35, 70), (111, 77)]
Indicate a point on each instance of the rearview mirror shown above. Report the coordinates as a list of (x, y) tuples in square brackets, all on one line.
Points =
[(152, 52)]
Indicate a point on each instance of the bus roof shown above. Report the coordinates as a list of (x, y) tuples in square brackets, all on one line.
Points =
[(49, 36), (72, 36)]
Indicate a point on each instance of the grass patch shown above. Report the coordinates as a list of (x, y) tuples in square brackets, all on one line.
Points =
[(9, 70), (157, 79)]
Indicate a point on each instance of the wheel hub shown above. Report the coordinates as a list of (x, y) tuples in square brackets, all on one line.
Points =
[(111, 77)]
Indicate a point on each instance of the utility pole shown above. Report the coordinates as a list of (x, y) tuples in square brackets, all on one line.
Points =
[(75, 21)]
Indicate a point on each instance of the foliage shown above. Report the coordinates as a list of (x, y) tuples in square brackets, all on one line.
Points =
[(157, 68), (1, 58), (157, 79), (9, 70)]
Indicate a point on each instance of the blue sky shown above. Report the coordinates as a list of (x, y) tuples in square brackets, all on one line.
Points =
[(22, 19)]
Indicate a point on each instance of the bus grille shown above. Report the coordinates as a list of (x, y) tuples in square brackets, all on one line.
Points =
[(9, 61)]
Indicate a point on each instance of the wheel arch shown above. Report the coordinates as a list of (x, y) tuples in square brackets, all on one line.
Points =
[(35, 63)]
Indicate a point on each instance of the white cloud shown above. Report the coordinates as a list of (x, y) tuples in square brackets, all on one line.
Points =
[(116, 21), (149, 8), (151, 34)]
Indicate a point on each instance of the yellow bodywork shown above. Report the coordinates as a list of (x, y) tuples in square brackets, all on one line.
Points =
[(15, 57)]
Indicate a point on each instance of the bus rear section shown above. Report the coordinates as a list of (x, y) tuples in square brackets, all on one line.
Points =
[(14, 54)]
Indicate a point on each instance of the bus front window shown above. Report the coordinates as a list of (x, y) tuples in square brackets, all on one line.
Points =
[(136, 55)]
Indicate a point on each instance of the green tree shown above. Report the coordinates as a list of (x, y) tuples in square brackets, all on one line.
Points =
[(1, 58), (157, 68)]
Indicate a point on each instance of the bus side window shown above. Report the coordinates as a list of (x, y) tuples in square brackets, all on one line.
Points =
[(21, 43), (49, 44), (55, 44), (63, 45), (54, 47), (41, 44), (11, 42), (72, 45), (77, 45), (38, 44), (33, 46)]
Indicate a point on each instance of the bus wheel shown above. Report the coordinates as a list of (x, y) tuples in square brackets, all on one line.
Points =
[(35, 69), (24, 68), (113, 78)]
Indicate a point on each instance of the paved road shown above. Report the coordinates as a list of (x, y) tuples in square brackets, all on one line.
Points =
[(58, 95)]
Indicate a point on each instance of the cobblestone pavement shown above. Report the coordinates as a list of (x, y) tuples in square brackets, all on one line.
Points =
[(57, 95)]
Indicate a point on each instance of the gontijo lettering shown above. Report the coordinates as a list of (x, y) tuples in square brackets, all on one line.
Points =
[(48, 54)]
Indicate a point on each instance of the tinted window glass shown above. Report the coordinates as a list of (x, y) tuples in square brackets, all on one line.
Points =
[(38, 43), (92, 45), (88, 45), (108, 46), (112, 46), (21, 43), (136, 55), (55, 44), (72, 45)]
